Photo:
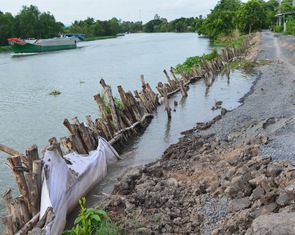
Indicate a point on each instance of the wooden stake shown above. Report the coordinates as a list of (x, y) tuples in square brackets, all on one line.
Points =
[(112, 105), (37, 170), (10, 228), (137, 110), (23, 209), (29, 225), (33, 190), (7, 198), (32, 155), (15, 161), (167, 107), (182, 89), (104, 113), (171, 82), (77, 144)]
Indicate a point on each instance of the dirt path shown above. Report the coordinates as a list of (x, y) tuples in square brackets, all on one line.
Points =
[(270, 106)]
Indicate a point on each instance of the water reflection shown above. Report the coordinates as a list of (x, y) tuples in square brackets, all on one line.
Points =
[(167, 131)]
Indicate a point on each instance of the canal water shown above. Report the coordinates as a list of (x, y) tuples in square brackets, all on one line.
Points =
[(29, 115)]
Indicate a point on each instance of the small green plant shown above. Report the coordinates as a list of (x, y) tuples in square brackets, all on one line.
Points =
[(186, 67), (92, 221), (118, 102), (55, 93), (81, 81)]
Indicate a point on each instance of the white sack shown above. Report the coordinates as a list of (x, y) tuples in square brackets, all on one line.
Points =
[(63, 185)]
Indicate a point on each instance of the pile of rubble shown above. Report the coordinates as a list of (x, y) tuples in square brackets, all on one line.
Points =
[(207, 185)]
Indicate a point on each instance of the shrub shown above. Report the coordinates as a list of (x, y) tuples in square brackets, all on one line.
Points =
[(92, 221)]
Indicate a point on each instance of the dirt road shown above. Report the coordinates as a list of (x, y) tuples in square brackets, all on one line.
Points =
[(270, 106)]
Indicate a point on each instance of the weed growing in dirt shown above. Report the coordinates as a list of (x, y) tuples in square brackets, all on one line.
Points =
[(92, 221)]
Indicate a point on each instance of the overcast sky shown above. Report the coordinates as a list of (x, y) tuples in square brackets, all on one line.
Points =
[(67, 11)]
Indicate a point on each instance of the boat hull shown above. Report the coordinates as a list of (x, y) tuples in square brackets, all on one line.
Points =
[(43, 45)]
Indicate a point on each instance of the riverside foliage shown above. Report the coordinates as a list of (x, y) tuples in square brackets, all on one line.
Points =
[(226, 17)]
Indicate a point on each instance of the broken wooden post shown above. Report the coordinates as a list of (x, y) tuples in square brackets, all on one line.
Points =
[(112, 105), (166, 100), (18, 171), (171, 82), (104, 113), (182, 89)]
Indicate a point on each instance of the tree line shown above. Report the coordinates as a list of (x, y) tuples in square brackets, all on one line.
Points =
[(227, 17), (31, 23)]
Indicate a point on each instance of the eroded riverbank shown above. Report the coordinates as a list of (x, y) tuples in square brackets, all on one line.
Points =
[(234, 178)]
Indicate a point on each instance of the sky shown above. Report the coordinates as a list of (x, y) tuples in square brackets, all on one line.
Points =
[(67, 11)]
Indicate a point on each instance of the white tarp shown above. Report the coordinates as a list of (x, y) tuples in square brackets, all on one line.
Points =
[(64, 184)]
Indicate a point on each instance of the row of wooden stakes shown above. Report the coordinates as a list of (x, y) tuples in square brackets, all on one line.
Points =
[(116, 125)]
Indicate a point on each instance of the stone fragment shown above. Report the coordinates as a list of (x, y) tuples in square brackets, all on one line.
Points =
[(273, 171), (257, 193), (239, 204), (285, 199), (274, 224)]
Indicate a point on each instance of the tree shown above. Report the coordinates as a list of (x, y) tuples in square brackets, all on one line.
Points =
[(221, 19), (251, 16), (27, 22), (286, 6), (6, 27)]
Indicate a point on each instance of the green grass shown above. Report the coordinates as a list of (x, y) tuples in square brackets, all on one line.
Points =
[(186, 67), (231, 41), (5, 48)]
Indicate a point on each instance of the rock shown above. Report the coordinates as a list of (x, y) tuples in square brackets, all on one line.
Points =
[(257, 193), (274, 224), (239, 187), (144, 231), (269, 197), (273, 170), (215, 232), (171, 182), (267, 209), (239, 204), (290, 188), (285, 199)]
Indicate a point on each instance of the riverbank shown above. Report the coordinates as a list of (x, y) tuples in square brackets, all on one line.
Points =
[(234, 178)]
